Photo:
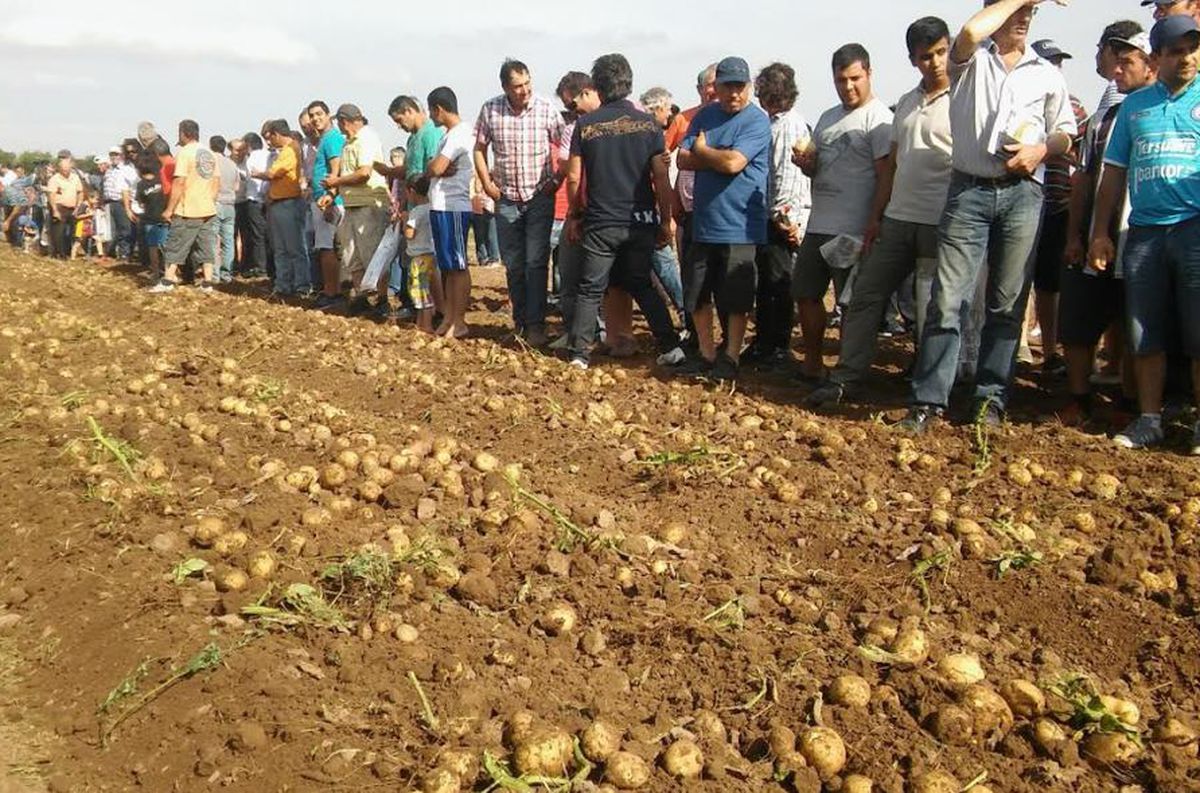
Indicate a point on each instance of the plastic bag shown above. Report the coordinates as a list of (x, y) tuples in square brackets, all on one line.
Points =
[(385, 254)]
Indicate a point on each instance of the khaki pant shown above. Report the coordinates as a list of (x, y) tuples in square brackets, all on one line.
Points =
[(361, 230)]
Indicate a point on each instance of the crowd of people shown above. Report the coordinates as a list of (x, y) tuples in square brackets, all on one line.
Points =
[(729, 222)]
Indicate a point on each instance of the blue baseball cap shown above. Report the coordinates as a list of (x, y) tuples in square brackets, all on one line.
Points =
[(732, 70), (1168, 30)]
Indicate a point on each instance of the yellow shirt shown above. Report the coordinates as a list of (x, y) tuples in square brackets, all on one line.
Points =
[(197, 166), (64, 190), (285, 174), (365, 149)]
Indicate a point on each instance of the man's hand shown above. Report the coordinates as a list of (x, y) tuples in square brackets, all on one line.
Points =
[(167, 215), (1025, 159), (701, 144), (324, 202), (550, 187), (666, 158), (870, 235), (1074, 252), (805, 158), (1102, 252), (666, 233), (330, 182), (573, 230), (493, 192)]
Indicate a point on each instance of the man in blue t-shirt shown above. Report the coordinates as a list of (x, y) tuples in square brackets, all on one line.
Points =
[(728, 146), (326, 208), (1154, 150)]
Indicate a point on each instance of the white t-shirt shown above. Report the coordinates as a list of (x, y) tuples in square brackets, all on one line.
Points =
[(848, 144), (453, 193), (418, 220)]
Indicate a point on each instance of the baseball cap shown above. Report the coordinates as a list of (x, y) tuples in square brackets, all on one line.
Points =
[(1157, 2), (98, 160), (349, 112), (732, 70), (1048, 49), (1168, 29), (115, 150), (1139, 41)]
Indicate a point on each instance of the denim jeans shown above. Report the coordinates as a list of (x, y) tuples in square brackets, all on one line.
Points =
[(992, 226), (252, 228), (122, 230), (487, 246), (624, 255), (287, 234), (524, 234), (1161, 268), (666, 267), (223, 255), (570, 269), (898, 252)]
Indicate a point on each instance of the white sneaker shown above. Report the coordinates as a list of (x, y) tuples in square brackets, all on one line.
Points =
[(162, 287), (579, 364), (205, 289), (672, 358), (1141, 433)]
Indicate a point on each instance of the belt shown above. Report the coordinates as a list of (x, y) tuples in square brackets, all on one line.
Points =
[(988, 181)]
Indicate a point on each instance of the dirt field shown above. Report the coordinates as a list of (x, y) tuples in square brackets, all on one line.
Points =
[(250, 547)]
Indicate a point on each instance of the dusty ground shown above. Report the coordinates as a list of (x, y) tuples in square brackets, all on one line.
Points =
[(194, 597)]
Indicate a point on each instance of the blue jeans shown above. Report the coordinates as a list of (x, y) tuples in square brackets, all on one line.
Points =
[(1162, 287), (487, 246), (223, 255), (524, 234), (666, 267), (286, 220), (983, 225)]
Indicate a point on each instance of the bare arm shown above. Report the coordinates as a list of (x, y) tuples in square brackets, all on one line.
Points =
[(177, 186), (1112, 187), (723, 161), (484, 173), (980, 27), (1082, 185), (885, 177), (438, 166)]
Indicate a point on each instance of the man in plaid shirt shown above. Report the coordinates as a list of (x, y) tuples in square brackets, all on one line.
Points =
[(523, 132)]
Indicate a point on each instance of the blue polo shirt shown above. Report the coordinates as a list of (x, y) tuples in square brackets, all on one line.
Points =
[(732, 210), (329, 147), (1156, 138)]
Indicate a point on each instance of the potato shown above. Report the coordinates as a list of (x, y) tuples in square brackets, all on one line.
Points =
[(824, 750), (960, 670), (709, 727), (485, 462), (1104, 749), (1049, 736), (856, 783), (1104, 487), (934, 782), (464, 764), (232, 580), (993, 717), (849, 691), (881, 631), (626, 771), (952, 725), (441, 780), (333, 477), (1126, 712), (231, 543), (558, 619), (348, 459), (262, 565), (911, 646), (407, 634), (370, 491), (599, 741), (1173, 732), (546, 751), (683, 759), (1024, 698), (519, 727), (782, 741), (315, 516), (207, 530)]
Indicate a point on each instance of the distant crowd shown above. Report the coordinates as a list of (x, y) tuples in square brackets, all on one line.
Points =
[(729, 223)]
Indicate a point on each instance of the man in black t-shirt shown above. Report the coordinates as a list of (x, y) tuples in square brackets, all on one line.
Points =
[(625, 213)]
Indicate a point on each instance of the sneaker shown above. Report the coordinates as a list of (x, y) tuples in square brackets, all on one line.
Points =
[(358, 305), (755, 354), (826, 395), (693, 366), (578, 363), (162, 287), (536, 337), (674, 357), (205, 289), (987, 412), (325, 302), (404, 313), (724, 368), (1195, 450), (919, 418), (560, 343), (1142, 432)]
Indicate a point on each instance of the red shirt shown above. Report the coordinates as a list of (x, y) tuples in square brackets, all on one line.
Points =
[(167, 174)]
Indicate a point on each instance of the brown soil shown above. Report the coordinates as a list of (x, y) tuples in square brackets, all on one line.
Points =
[(720, 552)]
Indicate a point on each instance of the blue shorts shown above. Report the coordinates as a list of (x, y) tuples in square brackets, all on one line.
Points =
[(450, 239), (1162, 286), (156, 234)]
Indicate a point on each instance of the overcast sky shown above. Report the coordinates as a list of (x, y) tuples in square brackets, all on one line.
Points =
[(81, 75)]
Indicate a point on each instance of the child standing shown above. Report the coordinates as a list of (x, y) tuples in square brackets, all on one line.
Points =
[(152, 198), (421, 264), (84, 228)]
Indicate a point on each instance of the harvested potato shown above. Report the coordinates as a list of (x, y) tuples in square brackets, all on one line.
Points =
[(782, 741), (993, 718), (626, 771), (1173, 732), (558, 619), (934, 782), (709, 727), (441, 780), (849, 691), (824, 750), (856, 783), (1024, 698), (232, 580), (546, 751), (683, 759), (1126, 712), (960, 670), (334, 476), (952, 725), (229, 544), (519, 727), (207, 530), (1105, 749), (462, 763), (910, 647), (599, 741)]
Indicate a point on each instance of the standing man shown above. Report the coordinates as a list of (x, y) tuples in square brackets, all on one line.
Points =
[(908, 205), (424, 140), (326, 208), (254, 229), (728, 145), (1166, 8), (365, 197), (626, 213), (523, 132), (285, 212), (191, 211), (227, 173), (450, 173), (1009, 110), (120, 178), (65, 191), (789, 201), (847, 159), (1152, 151)]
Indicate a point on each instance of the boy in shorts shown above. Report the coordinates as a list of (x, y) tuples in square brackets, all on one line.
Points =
[(421, 262), (151, 197)]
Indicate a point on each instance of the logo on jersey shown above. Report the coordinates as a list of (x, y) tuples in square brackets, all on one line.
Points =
[(1196, 112)]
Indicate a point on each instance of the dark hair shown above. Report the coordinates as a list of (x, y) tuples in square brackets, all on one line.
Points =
[(403, 104), (776, 86), (217, 144), (925, 32), (189, 129), (296, 135), (253, 140), (277, 126), (573, 83), (510, 67), (159, 148), (849, 54), (419, 183), (1123, 29), (317, 103), (147, 163), (444, 98), (613, 77)]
